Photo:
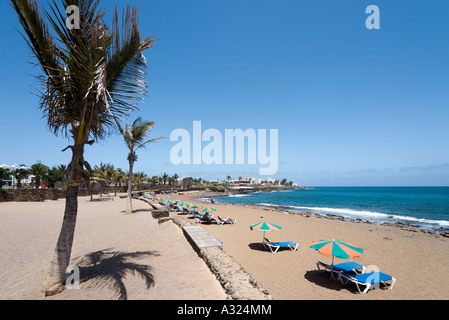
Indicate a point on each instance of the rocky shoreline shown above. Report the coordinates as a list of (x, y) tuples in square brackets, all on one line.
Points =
[(399, 225), (308, 214)]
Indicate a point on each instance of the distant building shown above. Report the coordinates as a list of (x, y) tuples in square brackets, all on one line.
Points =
[(258, 181), (11, 181), (187, 183)]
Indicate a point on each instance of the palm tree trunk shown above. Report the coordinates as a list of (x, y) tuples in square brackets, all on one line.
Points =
[(56, 277), (129, 205), (54, 283)]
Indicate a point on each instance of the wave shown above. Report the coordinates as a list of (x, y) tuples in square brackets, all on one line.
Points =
[(371, 215), (238, 195)]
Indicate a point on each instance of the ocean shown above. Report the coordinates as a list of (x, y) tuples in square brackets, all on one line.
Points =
[(423, 207)]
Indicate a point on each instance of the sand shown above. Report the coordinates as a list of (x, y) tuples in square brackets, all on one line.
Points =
[(418, 261), (133, 257), (120, 256)]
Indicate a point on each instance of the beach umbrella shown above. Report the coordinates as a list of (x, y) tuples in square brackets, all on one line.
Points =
[(337, 248), (265, 226)]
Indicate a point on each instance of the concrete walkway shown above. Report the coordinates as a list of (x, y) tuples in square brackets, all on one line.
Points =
[(201, 238)]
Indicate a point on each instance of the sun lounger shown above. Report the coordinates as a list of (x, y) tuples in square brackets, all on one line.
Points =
[(371, 280), (349, 267), (228, 220), (205, 218), (184, 210), (275, 246)]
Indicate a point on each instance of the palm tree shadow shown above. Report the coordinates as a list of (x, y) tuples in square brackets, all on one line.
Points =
[(107, 268)]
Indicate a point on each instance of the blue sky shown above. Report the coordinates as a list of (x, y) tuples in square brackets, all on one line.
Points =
[(353, 106)]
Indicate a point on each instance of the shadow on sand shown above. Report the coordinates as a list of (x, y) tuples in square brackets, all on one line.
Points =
[(107, 268), (323, 279), (260, 247)]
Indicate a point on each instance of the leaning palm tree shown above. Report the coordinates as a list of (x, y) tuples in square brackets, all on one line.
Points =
[(91, 75), (135, 136)]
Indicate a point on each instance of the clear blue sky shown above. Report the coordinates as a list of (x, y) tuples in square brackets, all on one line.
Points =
[(353, 106)]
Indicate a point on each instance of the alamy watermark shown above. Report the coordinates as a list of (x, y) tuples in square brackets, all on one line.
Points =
[(219, 151), (73, 17), (372, 22), (73, 280)]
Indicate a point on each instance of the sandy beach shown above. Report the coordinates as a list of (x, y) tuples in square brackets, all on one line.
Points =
[(120, 256), (418, 261), (133, 257)]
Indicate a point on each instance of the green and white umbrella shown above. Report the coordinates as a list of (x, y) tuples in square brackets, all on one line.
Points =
[(265, 226), (336, 248)]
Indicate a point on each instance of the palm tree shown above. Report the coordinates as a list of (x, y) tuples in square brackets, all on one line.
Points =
[(135, 136), (175, 178), (154, 180), (105, 173), (90, 76), (165, 177), (4, 173), (39, 171), (19, 174), (118, 177), (140, 178), (54, 175)]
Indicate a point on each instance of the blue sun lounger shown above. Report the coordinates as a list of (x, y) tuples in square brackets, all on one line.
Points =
[(349, 267), (371, 280), (275, 246)]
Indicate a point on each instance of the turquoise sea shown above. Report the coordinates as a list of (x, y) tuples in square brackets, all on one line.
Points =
[(423, 207)]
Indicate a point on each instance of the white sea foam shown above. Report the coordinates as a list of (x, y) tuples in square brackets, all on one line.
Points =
[(372, 216)]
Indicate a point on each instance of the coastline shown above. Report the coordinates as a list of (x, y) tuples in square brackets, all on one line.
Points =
[(401, 225), (396, 250), (417, 260)]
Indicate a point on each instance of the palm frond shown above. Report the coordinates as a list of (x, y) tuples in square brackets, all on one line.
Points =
[(39, 40), (126, 62), (92, 75)]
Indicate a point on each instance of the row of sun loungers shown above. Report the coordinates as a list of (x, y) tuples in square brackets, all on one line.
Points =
[(357, 274), (348, 272), (209, 219), (200, 218)]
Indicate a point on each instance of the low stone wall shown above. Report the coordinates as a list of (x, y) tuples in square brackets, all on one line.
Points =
[(37, 195), (31, 195)]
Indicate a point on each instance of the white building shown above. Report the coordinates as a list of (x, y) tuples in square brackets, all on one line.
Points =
[(261, 181), (13, 181)]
